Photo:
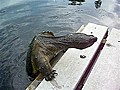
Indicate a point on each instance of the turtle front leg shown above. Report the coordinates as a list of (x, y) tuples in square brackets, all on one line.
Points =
[(51, 76), (47, 71)]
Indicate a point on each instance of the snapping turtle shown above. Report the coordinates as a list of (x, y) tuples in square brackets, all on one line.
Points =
[(46, 46)]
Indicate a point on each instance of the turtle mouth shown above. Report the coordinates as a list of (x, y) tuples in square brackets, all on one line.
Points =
[(92, 40), (89, 43)]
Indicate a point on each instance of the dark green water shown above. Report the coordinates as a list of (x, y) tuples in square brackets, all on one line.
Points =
[(20, 20)]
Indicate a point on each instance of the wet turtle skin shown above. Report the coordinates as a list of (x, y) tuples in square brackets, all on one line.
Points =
[(46, 46)]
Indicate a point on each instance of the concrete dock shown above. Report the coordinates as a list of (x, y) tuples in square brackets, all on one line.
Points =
[(94, 72)]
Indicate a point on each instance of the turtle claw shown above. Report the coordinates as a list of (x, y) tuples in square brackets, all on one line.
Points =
[(51, 76)]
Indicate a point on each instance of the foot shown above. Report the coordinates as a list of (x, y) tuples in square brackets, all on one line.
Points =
[(51, 76)]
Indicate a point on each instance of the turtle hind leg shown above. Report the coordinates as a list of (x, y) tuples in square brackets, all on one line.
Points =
[(33, 76)]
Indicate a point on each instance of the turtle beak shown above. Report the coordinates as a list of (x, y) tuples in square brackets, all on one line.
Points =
[(93, 39)]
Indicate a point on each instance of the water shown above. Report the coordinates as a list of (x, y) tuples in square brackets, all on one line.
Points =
[(20, 20)]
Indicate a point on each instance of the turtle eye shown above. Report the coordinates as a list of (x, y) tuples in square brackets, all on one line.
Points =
[(36, 58)]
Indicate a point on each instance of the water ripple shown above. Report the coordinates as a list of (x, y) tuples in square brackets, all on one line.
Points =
[(20, 22)]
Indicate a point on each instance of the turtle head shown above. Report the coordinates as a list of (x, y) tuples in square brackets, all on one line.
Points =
[(80, 40)]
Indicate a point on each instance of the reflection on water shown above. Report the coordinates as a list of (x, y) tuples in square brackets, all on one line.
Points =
[(98, 3), (76, 2), (20, 21), (6, 3)]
